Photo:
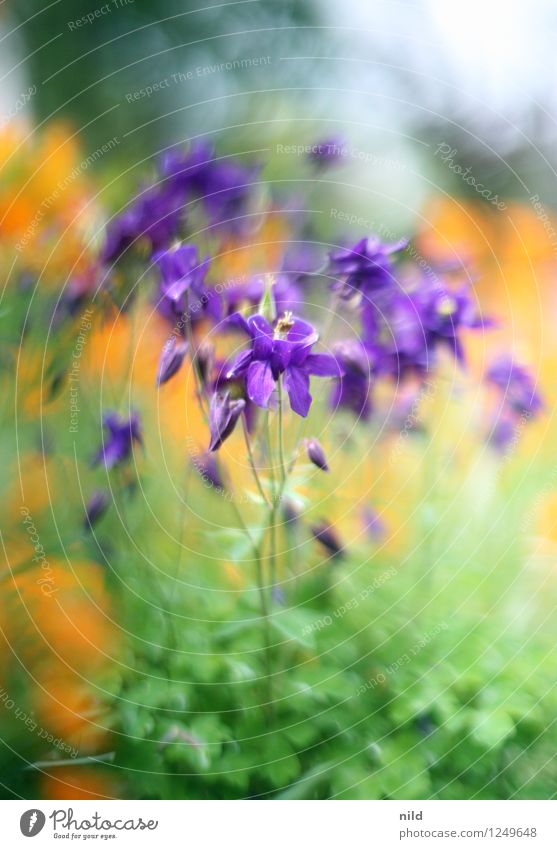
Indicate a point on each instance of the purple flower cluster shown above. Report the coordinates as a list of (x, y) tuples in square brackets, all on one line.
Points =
[(157, 215), (223, 185), (364, 268), (519, 399), (405, 314)]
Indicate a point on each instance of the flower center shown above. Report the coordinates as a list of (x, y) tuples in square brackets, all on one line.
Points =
[(447, 306), (284, 326)]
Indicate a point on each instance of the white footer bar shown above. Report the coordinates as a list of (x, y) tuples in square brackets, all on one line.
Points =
[(281, 825)]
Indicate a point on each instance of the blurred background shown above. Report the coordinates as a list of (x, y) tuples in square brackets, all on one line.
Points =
[(398, 75)]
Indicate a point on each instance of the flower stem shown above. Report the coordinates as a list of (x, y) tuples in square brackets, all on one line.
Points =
[(199, 389), (281, 436), (266, 628), (260, 574), (253, 467)]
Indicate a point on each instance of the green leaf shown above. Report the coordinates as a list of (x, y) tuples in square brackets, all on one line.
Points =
[(295, 625), (491, 728)]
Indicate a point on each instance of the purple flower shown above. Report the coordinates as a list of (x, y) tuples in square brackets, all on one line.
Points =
[(504, 431), (171, 359), (327, 536), (122, 433), (228, 191), (209, 470), (373, 524), (181, 271), (121, 232), (223, 186), (187, 170), (365, 267), (516, 384), (282, 350), (316, 454), (204, 362), (408, 327), (444, 314), (353, 390), (223, 415), (237, 389), (327, 152), (287, 294), (154, 215), (95, 508), (519, 401)]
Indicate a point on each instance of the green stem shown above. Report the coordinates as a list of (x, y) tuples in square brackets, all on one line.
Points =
[(266, 628), (253, 467), (273, 505), (281, 435), (199, 388), (259, 568)]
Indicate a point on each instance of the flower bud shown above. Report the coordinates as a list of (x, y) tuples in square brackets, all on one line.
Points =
[(223, 415), (316, 454), (171, 359), (327, 536), (95, 508)]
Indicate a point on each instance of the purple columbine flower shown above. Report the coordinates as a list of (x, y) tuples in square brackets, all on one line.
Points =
[(353, 390), (364, 268), (287, 294), (204, 362), (122, 433), (284, 349), (208, 468), (95, 508), (445, 313), (183, 272), (505, 431), (374, 524), (155, 215), (223, 186), (315, 453), (228, 192), (328, 537), (516, 384), (171, 359), (187, 169), (237, 388), (223, 415), (408, 327), (327, 152)]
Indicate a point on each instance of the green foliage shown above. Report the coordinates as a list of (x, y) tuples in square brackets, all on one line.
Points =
[(430, 686)]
